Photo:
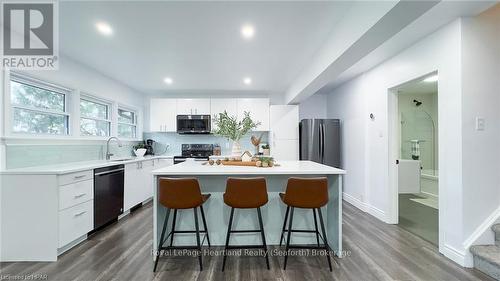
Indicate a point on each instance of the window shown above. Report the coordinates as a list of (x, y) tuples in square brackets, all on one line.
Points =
[(94, 118), (127, 123), (38, 108)]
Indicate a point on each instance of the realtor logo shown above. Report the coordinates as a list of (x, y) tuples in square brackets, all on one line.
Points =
[(29, 35)]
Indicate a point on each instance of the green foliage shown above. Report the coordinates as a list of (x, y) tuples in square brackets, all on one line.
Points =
[(31, 121), (265, 146), (139, 146), (266, 159), (230, 128)]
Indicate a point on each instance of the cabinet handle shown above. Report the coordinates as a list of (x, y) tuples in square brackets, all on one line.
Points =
[(79, 214), (80, 195), (79, 177)]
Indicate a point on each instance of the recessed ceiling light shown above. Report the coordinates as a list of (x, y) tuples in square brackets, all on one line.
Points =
[(168, 80), (247, 31), (247, 80), (431, 79), (104, 28)]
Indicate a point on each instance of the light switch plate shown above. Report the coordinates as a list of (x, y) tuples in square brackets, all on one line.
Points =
[(480, 124)]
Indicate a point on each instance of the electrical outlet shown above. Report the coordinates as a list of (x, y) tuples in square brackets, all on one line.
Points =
[(480, 124)]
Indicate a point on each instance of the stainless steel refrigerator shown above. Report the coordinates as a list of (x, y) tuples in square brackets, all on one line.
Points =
[(320, 141)]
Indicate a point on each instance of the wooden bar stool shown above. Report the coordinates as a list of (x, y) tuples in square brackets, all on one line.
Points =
[(245, 193), (178, 194), (307, 193)]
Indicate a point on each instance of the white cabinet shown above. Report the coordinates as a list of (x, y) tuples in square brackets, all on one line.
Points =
[(163, 115), (284, 134), (132, 186), (284, 121), (193, 106), (220, 105), (138, 181), (259, 111), (163, 112), (75, 222)]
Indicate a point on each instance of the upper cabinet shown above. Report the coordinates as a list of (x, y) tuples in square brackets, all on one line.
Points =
[(164, 111), (259, 111), (193, 106), (220, 105), (163, 115)]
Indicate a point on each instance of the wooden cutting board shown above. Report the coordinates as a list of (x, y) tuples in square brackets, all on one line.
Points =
[(239, 163)]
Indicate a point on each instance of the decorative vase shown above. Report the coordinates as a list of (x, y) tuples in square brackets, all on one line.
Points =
[(236, 151), (266, 152), (140, 152)]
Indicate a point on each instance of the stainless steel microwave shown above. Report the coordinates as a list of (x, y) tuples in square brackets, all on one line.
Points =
[(193, 124)]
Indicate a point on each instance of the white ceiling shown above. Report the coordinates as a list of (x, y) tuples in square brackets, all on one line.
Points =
[(198, 44)]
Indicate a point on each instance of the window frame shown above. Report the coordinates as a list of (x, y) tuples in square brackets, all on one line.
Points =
[(109, 120), (134, 124), (10, 107)]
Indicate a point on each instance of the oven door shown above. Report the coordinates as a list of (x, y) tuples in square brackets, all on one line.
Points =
[(193, 124)]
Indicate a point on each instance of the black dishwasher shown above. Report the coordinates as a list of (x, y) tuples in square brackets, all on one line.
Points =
[(108, 194)]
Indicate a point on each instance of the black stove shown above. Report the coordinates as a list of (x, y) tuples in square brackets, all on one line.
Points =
[(200, 152)]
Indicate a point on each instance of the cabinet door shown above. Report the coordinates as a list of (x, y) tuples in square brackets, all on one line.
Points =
[(132, 191), (163, 115), (193, 106), (147, 180), (285, 150), (284, 120), (259, 111), (201, 106), (220, 105), (184, 106)]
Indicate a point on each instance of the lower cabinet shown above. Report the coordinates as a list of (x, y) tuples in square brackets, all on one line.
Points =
[(139, 181), (75, 222)]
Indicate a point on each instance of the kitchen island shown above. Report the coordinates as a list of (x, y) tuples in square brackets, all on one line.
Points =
[(212, 180)]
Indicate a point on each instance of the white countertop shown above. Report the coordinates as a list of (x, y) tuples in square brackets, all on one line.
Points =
[(77, 166), (286, 167)]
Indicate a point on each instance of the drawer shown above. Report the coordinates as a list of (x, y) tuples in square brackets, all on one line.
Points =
[(76, 177), (75, 222), (75, 193)]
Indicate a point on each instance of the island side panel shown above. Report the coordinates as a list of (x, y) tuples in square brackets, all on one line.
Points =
[(334, 213)]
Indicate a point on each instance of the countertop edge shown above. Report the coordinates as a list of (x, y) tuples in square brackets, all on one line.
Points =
[(40, 170)]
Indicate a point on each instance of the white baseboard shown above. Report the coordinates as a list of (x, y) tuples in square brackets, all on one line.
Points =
[(365, 207), (454, 254), (355, 202)]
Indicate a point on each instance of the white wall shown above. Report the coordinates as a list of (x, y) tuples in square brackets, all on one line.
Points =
[(83, 79), (481, 98), (366, 142), (313, 107)]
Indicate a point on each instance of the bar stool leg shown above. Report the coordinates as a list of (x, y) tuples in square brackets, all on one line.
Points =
[(173, 228), (161, 239), (288, 239), (325, 239), (198, 236), (284, 225), (316, 226), (263, 237), (227, 238), (205, 224)]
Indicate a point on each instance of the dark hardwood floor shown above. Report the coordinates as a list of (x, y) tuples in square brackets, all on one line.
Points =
[(377, 251)]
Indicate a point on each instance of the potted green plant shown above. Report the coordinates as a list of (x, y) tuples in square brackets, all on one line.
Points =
[(232, 129), (266, 150)]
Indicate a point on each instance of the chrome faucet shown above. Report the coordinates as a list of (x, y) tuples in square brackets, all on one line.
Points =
[(108, 155)]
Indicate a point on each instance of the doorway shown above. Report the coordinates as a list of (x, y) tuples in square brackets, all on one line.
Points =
[(415, 146)]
